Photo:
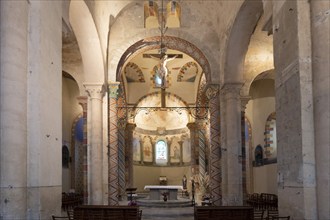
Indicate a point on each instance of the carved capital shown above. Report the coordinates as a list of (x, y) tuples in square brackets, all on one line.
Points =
[(113, 88), (130, 127), (82, 100), (212, 91), (94, 90), (231, 90), (191, 126), (244, 102)]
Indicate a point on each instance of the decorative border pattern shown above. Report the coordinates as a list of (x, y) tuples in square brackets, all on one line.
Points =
[(113, 147), (215, 151)]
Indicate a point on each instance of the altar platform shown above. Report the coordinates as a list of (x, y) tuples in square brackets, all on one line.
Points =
[(180, 202), (156, 192)]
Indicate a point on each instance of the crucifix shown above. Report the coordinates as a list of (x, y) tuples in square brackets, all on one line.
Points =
[(163, 73)]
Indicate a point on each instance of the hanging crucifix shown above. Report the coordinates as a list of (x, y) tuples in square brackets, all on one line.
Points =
[(161, 71), (163, 74)]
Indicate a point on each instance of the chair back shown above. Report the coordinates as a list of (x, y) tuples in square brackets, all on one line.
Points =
[(59, 217), (280, 218), (258, 214)]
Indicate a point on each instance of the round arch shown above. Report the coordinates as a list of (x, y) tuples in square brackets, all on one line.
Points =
[(238, 42), (88, 40), (171, 42)]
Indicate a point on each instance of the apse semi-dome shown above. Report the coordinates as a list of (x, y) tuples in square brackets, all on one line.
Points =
[(152, 118)]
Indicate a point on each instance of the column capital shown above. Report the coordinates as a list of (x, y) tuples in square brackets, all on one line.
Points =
[(212, 91), (191, 125), (113, 88), (231, 90), (244, 102), (94, 90), (130, 126), (82, 100)]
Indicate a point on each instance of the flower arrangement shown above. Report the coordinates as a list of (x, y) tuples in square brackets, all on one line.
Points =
[(132, 203), (204, 186), (165, 195)]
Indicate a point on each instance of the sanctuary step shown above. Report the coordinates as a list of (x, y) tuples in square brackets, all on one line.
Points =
[(181, 202)]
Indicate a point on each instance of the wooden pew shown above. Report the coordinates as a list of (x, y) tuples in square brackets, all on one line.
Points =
[(102, 212), (223, 213)]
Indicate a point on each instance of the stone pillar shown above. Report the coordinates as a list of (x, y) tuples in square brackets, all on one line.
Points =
[(129, 154), (212, 93), (44, 108), (233, 143), (84, 169), (321, 93), (121, 157), (201, 129), (95, 93), (13, 108), (193, 144), (294, 109), (245, 157), (113, 145)]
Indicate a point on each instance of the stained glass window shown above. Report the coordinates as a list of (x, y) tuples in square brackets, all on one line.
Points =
[(161, 152)]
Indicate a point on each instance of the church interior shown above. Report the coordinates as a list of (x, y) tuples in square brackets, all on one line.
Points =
[(219, 100)]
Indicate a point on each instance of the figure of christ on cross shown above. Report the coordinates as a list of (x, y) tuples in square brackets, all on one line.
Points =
[(162, 74), (163, 70)]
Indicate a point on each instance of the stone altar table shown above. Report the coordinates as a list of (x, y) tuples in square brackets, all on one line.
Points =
[(157, 190)]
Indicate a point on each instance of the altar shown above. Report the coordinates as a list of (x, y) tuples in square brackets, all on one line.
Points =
[(156, 191)]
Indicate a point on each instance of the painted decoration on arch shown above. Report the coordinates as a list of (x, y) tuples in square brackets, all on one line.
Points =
[(188, 72), (270, 137), (133, 73)]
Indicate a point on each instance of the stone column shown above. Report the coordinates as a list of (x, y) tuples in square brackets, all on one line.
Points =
[(245, 156), (95, 93), (83, 100), (44, 108), (129, 154), (202, 145), (321, 94), (113, 144), (13, 108), (294, 109), (233, 143), (193, 144), (212, 93), (121, 159)]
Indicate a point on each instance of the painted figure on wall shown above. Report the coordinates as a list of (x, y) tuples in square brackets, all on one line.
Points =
[(136, 149), (175, 151), (186, 151), (147, 150)]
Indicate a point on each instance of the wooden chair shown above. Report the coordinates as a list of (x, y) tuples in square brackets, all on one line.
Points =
[(140, 214), (70, 214), (59, 217), (271, 214), (258, 214)]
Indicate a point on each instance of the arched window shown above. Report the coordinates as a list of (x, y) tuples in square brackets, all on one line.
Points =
[(258, 155), (65, 156), (161, 152)]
